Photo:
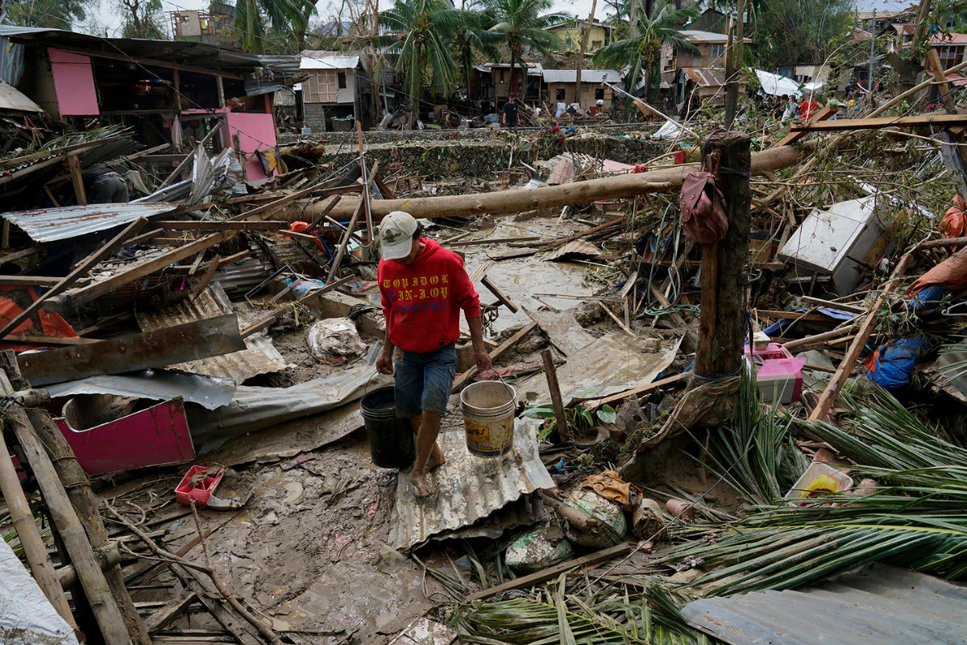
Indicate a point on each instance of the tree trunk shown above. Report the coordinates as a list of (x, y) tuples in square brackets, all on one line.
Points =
[(513, 201), (725, 265)]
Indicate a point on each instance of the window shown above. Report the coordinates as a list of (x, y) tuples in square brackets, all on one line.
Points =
[(322, 87), (503, 79), (560, 94), (716, 51), (596, 44), (342, 80), (599, 94)]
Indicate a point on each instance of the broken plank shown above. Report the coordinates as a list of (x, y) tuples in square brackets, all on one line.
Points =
[(77, 180), (223, 262), (922, 120), (77, 297), (167, 614), (272, 317), (16, 255), (168, 346), (822, 115), (496, 354), (791, 315), (227, 225), (499, 240), (481, 271), (48, 340), (28, 281), (615, 318), (553, 572), (319, 190), (638, 391), (508, 255), (91, 260), (504, 300), (829, 304)]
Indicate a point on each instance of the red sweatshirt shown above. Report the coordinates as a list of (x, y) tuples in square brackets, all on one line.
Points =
[(422, 301)]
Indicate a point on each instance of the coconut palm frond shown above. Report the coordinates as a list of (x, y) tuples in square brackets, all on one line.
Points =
[(652, 617), (753, 452)]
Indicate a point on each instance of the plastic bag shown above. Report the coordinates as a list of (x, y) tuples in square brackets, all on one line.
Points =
[(335, 340)]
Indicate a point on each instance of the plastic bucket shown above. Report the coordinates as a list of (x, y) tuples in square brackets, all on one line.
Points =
[(488, 417), (391, 442)]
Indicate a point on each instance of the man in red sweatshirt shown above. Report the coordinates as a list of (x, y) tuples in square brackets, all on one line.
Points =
[(423, 288)]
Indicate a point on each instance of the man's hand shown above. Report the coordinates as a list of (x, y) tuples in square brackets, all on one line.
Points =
[(384, 364), (482, 360)]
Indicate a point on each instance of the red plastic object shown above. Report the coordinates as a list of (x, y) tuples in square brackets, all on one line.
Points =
[(185, 492)]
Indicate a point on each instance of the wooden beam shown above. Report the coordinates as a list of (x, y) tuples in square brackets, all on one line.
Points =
[(638, 391), (77, 297), (936, 69), (922, 120), (499, 240), (226, 225), (823, 115), (504, 300), (167, 614), (554, 389), (496, 354), (77, 179), (151, 61), (272, 317), (53, 341), (344, 243), (829, 304), (552, 572), (92, 260), (319, 190)]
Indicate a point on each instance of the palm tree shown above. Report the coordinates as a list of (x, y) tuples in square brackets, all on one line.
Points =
[(286, 18), (58, 14), (420, 34), (521, 24), (473, 37), (641, 54)]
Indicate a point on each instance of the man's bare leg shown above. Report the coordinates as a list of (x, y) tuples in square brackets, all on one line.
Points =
[(436, 455), (428, 453)]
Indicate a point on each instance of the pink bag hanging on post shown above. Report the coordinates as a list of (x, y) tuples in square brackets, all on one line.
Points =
[(702, 208)]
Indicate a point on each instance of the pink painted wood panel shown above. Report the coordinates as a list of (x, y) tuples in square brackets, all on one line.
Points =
[(256, 131), (157, 436), (73, 83)]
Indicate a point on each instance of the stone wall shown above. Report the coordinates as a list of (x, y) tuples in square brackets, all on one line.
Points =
[(315, 117)]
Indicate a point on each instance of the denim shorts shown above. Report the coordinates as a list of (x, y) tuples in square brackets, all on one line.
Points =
[(423, 381)]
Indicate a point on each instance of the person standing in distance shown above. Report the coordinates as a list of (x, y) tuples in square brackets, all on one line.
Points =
[(511, 110), (423, 288)]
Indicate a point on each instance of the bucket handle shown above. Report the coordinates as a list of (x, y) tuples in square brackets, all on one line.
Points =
[(368, 382)]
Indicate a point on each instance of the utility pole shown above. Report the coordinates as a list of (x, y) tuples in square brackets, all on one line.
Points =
[(584, 47), (735, 46)]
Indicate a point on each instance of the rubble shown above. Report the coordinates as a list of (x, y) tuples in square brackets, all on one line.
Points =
[(759, 387)]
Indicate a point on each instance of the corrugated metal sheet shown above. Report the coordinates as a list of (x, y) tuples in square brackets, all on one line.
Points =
[(879, 604), (70, 222), (242, 276), (587, 75), (469, 488), (255, 408), (705, 77), (156, 385), (13, 99), (11, 61), (329, 62), (261, 357)]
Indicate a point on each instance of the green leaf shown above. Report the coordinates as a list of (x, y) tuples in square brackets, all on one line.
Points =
[(539, 412), (607, 414)]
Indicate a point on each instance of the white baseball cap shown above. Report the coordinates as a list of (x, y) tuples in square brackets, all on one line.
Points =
[(396, 235)]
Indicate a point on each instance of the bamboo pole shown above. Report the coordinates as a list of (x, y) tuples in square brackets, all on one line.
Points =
[(99, 596), (23, 521)]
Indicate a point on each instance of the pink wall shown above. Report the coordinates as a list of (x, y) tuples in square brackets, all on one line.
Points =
[(73, 83), (255, 132)]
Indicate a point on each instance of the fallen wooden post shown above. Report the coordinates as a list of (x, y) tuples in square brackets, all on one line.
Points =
[(823, 115), (923, 120), (554, 389), (167, 614), (504, 300), (336, 261)]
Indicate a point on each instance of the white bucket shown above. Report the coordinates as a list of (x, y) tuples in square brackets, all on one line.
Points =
[(488, 417)]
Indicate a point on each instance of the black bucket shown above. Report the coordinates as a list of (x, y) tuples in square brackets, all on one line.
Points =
[(391, 443)]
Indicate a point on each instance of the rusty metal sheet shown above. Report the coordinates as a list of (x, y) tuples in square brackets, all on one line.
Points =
[(71, 222), (195, 340), (574, 249), (469, 488), (259, 356)]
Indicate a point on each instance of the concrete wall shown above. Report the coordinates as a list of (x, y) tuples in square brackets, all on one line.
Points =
[(315, 117), (571, 38)]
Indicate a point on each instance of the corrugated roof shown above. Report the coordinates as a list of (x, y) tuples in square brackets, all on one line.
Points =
[(13, 99), (705, 77), (943, 40), (879, 604), (587, 75), (699, 36), (69, 222), (469, 488), (261, 357), (328, 61)]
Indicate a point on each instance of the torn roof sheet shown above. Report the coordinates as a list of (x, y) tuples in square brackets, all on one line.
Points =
[(468, 488), (13, 99), (878, 604), (156, 385), (261, 357), (70, 222)]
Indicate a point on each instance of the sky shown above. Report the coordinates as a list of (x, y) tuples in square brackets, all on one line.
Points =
[(104, 19)]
